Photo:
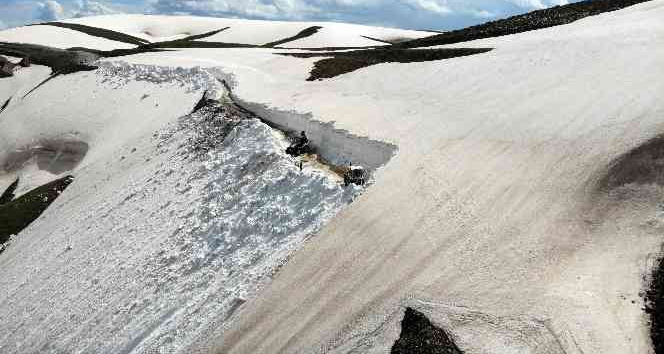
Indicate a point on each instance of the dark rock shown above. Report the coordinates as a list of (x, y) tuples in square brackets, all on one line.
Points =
[(338, 63), (5, 105), (419, 335), (6, 69), (654, 300), (8, 195), (25, 62), (303, 34), (21, 212)]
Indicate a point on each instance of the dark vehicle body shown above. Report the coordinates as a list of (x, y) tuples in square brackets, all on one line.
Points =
[(299, 146), (356, 175), (298, 149)]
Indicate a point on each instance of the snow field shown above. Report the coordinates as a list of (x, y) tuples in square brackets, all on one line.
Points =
[(257, 32), (57, 37), (163, 234), (489, 207)]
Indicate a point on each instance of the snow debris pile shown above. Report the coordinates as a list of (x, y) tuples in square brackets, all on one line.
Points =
[(163, 244), (118, 74)]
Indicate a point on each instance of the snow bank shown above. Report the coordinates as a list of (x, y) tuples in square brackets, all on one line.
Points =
[(490, 203), (337, 146), (165, 234)]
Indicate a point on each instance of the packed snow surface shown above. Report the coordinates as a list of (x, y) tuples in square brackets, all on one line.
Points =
[(166, 234), (491, 218), (56, 37)]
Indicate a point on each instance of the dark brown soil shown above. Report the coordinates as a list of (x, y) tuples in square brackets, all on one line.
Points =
[(303, 34), (419, 335), (19, 213), (655, 308), (98, 32), (642, 165), (345, 62), (555, 16)]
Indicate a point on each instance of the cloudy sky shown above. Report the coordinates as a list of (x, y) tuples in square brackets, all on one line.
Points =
[(414, 14)]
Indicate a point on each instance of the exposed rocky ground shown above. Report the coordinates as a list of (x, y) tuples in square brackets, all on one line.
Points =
[(15, 215), (346, 62), (59, 60), (555, 16), (419, 335), (655, 308), (303, 34)]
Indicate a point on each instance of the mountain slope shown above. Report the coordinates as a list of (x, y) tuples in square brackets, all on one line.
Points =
[(488, 211)]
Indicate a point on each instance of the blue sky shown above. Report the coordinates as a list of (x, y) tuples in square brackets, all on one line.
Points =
[(413, 14)]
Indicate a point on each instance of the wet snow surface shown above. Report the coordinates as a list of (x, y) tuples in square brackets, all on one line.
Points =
[(152, 247)]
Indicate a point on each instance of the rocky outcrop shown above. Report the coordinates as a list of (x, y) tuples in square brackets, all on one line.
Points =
[(8, 194), (419, 335), (7, 68), (18, 214)]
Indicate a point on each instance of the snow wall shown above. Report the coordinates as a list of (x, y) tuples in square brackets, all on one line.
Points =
[(337, 146)]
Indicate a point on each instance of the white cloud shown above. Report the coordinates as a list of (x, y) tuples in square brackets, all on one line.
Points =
[(2, 25), (537, 4), (438, 7), (416, 14), (304, 9), (483, 14), (50, 10), (290, 9), (92, 8)]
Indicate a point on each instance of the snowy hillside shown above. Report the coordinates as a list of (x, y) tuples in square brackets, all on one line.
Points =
[(514, 196)]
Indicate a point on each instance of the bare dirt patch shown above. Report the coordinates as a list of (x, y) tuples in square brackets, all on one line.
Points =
[(346, 62), (642, 165)]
